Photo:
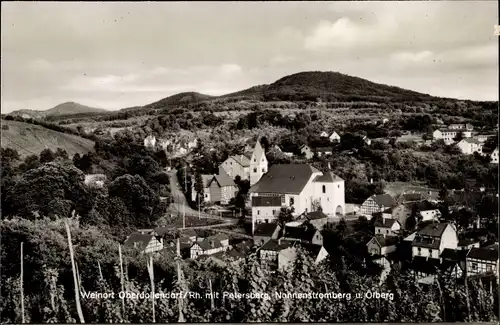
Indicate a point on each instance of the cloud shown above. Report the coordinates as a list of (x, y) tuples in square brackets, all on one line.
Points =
[(408, 57), (281, 59), (346, 34), (160, 80)]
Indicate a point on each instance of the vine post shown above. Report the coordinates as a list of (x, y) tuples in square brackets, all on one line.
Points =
[(21, 281), (75, 280)]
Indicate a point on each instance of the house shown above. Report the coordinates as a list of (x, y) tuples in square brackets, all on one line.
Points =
[(324, 134), (425, 269), (430, 241), (307, 151), (237, 166), (306, 234), (387, 227), (463, 127), (287, 256), (222, 188), (334, 137), (150, 141), (377, 203), (266, 208), (469, 146), (264, 232), (270, 250), (322, 151), (300, 186), (467, 244), (494, 156), (382, 245), (455, 256), (367, 141), (258, 163), (429, 215), (318, 219), (233, 255), (449, 135), (147, 243), (95, 180), (385, 120), (483, 261), (209, 245)]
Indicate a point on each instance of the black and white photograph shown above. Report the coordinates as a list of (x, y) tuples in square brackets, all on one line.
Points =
[(236, 162)]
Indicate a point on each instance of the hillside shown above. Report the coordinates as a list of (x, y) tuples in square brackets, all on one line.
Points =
[(30, 139), (329, 86), (179, 99), (69, 108)]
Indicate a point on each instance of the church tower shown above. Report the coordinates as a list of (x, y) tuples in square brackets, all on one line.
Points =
[(258, 163)]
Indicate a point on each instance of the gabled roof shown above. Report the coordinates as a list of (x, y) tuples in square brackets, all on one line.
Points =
[(284, 178), (315, 215), (139, 239), (384, 199), (420, 206), (207, 242), (386, 241), (433, 230), (411, 197), (266, 201), (322, 149), (472, 141), (223, 180), (328, 177), (189, 232), (206, 179), (486, 254), (300, 233), (277, 245), (241, 160), (385, 223), (426, 242), (258, 151)]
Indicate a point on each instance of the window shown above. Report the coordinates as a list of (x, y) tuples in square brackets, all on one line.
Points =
[(324, 189), (474, 266), (488, 268), (263, 170), (379, 231), (274, 212), (338, 186), (292, 201), (267, 220), (283, 200), (255, 160), (258, 212), (255, 170), (230, 163), (430, 252)]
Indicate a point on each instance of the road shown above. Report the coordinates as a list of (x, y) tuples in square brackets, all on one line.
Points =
[(180, 204)]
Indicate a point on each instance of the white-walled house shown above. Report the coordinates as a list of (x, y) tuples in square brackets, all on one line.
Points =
[(308, 235), (469, 146), (307, 151), (382, 245), (387, 227), (300, 186), (150, 141), (430, 241), (209, 245), (334, 137), (449, 134), (494, 156), (147, 243), (237, 166), (206, 189), (377, 203), (429, 215), (287, 256), (483, 261)]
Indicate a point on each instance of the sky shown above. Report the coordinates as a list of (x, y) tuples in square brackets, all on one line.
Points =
[(117, 55)]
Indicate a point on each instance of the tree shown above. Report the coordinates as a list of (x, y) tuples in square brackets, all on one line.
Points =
[(46, 156), (285, 215), (199, 187), (264, 141), (50, 189)]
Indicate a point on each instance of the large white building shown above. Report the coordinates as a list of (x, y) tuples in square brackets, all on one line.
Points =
[(300, 186), (469, 146), (433, 239)]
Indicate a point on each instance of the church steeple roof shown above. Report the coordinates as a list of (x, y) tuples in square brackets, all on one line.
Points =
[(258, 151)]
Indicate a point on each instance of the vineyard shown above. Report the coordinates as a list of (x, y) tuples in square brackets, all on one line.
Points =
[(41, 288)]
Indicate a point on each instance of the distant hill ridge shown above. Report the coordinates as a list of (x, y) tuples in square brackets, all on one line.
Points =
[(68, 108), (308, 86)]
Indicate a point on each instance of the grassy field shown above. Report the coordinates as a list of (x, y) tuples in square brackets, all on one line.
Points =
[(30, 139), (176, 221), (397, 188)]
